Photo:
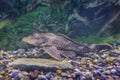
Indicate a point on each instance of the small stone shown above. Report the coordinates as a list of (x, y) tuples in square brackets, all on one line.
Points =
[(12, 58), (110, 58), (48, 75), (25, 73), (1, 76), (41, 77), (59, 71), (72, 75), (2, 72), (63, 74)]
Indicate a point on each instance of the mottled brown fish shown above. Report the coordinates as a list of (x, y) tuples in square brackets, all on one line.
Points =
[(56, 45)]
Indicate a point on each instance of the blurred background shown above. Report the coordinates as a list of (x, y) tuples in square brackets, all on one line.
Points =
[(86, 21)]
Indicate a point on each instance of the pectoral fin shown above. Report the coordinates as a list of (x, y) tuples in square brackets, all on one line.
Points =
[(68, 54), (53, 52)]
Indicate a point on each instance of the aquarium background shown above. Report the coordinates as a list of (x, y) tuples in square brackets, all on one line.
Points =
[(85, 21)]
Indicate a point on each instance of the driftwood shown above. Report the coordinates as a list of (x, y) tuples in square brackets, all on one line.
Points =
[(108, 27)]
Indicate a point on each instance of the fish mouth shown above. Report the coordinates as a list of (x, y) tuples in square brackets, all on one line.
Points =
[(29, 42), (24, 39)]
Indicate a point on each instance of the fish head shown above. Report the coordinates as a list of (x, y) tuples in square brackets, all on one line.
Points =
[(35, 39)]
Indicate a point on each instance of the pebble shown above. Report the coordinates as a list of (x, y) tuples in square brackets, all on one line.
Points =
[(103, 66)]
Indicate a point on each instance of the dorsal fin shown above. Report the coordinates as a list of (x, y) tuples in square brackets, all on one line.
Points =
[(66, 37)]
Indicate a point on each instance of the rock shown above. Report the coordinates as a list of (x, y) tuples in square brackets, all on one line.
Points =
[(28, 64), (110, 58)]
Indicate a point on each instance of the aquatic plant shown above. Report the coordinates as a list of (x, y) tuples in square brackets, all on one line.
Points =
[(95, 39)]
